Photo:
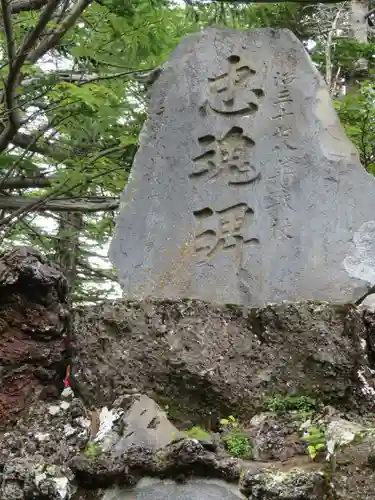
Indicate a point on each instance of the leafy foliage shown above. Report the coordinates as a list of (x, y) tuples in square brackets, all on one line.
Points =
[(83, 118), (197, 432), (92, 451), (316, 441), (239, 445), (357, 113), (280, 403), (236, 440)]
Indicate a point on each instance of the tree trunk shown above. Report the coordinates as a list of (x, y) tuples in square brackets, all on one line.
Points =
[(70, 226), (359, 29)]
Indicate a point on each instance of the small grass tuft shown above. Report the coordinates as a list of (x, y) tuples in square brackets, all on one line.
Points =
[(239, 445), (92, 451), (236, 441), (280, 403), (197, 432)]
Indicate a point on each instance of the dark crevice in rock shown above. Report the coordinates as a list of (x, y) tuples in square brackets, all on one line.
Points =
[(369, 321)]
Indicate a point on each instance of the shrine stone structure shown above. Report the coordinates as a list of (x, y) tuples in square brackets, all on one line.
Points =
[(245, 188)]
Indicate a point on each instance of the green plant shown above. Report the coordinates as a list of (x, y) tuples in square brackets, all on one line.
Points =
[(230, 422), (280, 403), (239, 445), (236, 441), (315, 440), (197, 432), (92, 450)]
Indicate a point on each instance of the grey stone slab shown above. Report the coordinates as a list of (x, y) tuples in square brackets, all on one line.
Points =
[(194, 489), (245, 188), (145, 424)]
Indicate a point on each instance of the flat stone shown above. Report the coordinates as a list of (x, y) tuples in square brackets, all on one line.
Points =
[(245, 188), (145, 424), (194, 489)]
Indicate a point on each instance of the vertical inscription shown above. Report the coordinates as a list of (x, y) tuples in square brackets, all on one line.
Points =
[(283, 113), (231, 94), (283, 101)]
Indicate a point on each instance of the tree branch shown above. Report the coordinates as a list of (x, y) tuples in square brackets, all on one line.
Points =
[(41, 181), (54, 151), (15, 65), (17, 6), (100, 273), (8, 28), (81, 78), (328, 50), (59, 205), (27, 148), (26, 182), (10, 92), (38, 203), (60, 31), (369, 13)]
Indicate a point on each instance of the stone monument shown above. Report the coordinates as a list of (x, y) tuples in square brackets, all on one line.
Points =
[(245, 188)]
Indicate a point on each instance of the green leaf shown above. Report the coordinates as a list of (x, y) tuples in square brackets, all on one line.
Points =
[(8, 160)]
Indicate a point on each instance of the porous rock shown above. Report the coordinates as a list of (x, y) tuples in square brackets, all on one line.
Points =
[(25, 479), (188, 456), (35, 452), (276, 437), (275, 485), (353, 470), (183, 458), (33, 334), (203, 361)]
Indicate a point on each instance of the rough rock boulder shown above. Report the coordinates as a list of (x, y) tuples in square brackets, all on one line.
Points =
[(33, 330), (205, 361)]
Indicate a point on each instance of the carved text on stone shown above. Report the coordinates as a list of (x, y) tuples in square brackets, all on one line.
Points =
[(230, 92), (227, 157), (226, 229)]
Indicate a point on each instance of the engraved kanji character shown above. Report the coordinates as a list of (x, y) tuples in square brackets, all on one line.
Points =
[(285, 78), (229, 91), (228, 157), (283, 103), (282, 131), (222, 229)]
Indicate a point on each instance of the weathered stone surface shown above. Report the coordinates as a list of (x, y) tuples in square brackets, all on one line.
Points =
[(275, 437), (245, 188), (145, 424), (194, 489), (33, 333), (354, 471), (134, 420), (205, 361), (275, 485), (47, 433), (180, 459), (101, 472), (188, 456)]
